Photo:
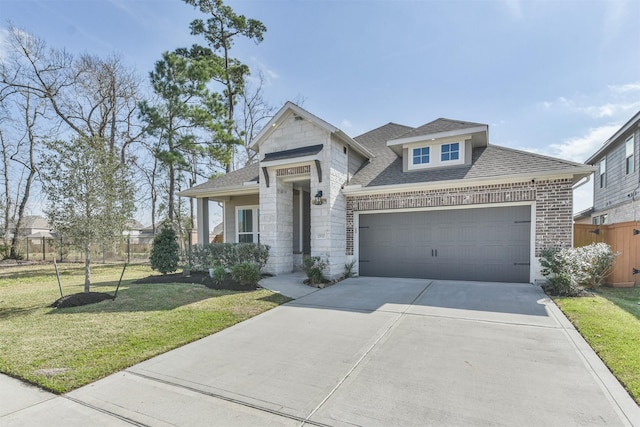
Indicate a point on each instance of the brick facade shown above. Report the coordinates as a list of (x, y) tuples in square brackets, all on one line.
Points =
[(553, 200)]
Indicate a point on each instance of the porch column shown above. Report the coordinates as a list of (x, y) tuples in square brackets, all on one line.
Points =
[(203, 220), (276, 224)]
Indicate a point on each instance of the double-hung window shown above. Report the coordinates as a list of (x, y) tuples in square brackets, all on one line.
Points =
[(603, 172), (450, 152), (421, 156), (247, 228), (629, 151)]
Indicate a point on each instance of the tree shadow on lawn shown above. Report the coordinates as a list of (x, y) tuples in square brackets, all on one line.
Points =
[(628, 299), (7, 313)]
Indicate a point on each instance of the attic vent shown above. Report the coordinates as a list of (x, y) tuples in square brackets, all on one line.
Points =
[(298, 118), (296, 170)]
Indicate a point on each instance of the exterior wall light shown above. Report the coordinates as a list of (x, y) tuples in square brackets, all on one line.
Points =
[(319, 200)]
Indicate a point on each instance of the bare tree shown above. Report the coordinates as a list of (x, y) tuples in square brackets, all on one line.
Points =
[(88, 95), (79, 97), (25, 156), (253, 114), (20, 140), (150, 169)]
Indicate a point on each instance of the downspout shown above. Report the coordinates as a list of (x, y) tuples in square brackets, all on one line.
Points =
[(573, 188), (580, 183)]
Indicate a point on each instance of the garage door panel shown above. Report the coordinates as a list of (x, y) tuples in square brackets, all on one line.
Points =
[(490, 244)]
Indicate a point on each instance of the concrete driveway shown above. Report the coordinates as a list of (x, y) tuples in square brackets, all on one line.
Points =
[(371, 352)]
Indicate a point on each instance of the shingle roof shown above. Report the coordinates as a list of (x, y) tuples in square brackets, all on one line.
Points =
[(439, 125), (32, 221), (385, 168), (490, 161), (232, 179)]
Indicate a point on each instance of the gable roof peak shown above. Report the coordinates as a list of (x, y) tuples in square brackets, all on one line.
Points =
[(289, 109), (441, 125)]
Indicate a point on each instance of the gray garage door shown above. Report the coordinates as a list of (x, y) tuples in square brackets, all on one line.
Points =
[(487, 244)]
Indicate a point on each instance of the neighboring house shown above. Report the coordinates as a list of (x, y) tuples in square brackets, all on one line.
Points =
[(134, 231), (583, 217), (615, 215), (33, 226), (218, 234), (616, 186), (437, 201)]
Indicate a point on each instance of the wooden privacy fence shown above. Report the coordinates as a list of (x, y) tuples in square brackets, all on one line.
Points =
[(621, 239)]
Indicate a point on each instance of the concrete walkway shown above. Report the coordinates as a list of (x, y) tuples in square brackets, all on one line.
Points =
[(290, 285), (365, 352)]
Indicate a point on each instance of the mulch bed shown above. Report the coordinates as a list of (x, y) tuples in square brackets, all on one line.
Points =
[(199, 277), (83, 298)]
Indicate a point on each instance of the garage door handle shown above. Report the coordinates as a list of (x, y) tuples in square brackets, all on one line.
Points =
[(521, 263), (434, 252)]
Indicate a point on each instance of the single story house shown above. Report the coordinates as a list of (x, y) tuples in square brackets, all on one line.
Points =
[(437, 201)]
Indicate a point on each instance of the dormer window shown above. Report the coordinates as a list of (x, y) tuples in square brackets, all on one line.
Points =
[(450, 152), (421, 156)]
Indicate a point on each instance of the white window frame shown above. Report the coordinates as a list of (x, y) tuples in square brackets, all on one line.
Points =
[(629, 159), (255, 232), (603, 172), (449, 161), (413, 156), (435, 154)]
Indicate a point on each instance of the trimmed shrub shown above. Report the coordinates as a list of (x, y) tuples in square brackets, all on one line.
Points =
[(207, 256), (570, 270), (246, 273), (314, 268), (165, 252), (252, 252), (199, 257)]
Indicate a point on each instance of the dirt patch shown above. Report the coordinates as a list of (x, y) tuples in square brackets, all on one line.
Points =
[(198, 277), (83, 298)]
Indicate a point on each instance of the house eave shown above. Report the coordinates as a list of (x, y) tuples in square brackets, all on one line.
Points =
[(247, 188), (439, 135), (633, 122), (358, 190)]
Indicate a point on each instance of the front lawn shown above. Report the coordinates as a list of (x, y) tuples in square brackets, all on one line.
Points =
[(62, 349), (610, 322)]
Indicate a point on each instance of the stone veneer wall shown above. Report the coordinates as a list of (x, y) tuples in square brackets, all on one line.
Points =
[(553, 200)]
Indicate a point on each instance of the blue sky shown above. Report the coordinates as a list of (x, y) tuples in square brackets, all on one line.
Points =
[(553, 77)]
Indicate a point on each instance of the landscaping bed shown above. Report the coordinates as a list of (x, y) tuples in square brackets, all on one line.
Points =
[(198, 277)]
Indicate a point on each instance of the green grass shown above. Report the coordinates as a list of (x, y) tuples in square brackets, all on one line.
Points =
[(610, 322), (63, 349)]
